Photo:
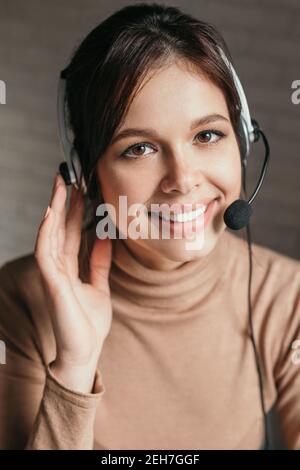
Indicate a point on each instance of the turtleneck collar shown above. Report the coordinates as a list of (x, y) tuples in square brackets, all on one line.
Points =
[(173, 291)]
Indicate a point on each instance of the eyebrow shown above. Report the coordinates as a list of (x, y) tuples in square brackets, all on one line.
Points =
[(151, 133)]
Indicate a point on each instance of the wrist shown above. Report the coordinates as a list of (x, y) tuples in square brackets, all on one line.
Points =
[(79, 378)]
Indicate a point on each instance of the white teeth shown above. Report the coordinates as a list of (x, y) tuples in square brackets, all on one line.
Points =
[(184, 216), (187, 216)]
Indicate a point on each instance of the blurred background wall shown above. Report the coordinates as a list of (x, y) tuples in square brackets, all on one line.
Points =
[(36, 40)]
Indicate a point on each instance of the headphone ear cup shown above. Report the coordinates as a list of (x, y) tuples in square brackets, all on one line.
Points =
[(78, 173), (67, 173), (64, 171)]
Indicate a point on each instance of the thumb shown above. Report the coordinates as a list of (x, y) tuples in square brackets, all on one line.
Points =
[(100, 262)]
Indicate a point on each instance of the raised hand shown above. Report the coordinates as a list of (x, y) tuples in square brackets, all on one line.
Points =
[(81, 313)]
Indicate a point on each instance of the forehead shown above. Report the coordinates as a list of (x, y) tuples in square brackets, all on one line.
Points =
[(173, 92)]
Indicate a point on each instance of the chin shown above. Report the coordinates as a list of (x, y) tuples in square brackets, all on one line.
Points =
[(183, 250)]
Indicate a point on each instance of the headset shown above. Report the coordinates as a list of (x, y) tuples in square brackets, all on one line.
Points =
[(237, 214)]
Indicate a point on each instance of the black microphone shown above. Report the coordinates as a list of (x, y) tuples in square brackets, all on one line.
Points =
[(238, 214)]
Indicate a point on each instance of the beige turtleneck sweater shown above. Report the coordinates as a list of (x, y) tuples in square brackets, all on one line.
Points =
[(177, 369)]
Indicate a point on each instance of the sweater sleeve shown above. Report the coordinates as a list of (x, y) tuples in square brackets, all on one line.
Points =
[(36, 410), (65, 419), (287, 368)]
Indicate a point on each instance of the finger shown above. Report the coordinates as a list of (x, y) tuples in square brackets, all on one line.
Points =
[(43, 229), (100, 262), (58, 204), (73, 229), (43, 247), (58, 180)]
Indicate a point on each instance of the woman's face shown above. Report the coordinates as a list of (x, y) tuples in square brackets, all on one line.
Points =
[(177, 162)]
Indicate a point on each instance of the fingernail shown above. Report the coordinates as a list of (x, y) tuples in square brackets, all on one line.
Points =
[(47, 212)]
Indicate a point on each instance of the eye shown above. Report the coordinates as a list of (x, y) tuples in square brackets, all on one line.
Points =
[(133, 148), (206, 136)]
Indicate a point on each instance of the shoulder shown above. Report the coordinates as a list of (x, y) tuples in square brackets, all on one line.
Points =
[(20, 278), (18, 268), (275, 296), (24, 318), (268, 264), (275, 286)]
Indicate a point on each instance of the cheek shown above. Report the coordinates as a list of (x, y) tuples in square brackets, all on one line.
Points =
[(136, 184), (228, 174)]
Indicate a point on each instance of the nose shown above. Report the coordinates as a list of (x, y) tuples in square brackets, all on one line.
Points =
[(182, 174)]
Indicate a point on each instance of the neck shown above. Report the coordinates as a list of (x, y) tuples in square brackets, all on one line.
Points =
[(168, 291)]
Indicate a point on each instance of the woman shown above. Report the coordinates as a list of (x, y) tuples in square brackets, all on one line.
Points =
[(139, 343)]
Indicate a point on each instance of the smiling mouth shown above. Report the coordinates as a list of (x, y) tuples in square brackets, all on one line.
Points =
[(181, 217)]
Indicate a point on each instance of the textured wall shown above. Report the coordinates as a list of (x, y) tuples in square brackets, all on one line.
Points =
[(36, 39)]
